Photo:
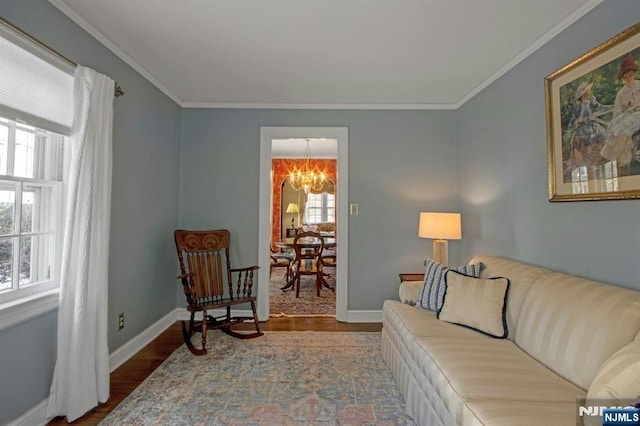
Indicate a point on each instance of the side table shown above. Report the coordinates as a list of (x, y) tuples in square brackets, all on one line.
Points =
[(411, 277), (408, 293)]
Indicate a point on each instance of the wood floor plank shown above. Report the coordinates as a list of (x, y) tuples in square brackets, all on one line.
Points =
[(133, 372)]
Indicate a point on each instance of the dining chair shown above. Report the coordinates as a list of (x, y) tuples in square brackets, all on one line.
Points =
[(307, 260), (281, 260), (211, 284), (329, 259)]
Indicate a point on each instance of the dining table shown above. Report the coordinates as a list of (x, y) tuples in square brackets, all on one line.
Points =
[(310, 243)]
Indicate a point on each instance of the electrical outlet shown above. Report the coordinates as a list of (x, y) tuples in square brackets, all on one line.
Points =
[(120, 321)]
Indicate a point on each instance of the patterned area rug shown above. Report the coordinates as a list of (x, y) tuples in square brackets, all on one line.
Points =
[(281, 378), (285, 303)]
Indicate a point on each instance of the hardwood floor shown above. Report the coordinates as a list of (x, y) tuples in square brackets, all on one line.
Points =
[(130, 374)]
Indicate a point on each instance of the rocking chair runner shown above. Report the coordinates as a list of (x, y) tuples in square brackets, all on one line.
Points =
[(203, 277)]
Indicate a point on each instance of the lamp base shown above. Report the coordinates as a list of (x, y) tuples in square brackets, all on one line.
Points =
[(441, 251)]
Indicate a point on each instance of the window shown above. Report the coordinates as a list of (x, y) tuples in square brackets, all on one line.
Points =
[(31, 170), (320, 208), (36, 110)]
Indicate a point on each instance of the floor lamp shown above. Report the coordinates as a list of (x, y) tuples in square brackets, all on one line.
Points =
[(441, 227)]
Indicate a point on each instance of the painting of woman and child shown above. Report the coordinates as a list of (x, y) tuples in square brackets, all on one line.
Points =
[(597, 144)]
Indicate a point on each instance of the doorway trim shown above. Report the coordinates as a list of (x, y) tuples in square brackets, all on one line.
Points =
[(267, 134)]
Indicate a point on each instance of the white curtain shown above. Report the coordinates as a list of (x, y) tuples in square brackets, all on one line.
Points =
[(81, 376)]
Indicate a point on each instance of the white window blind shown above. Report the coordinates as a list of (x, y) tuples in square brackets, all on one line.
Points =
[(37, 89)]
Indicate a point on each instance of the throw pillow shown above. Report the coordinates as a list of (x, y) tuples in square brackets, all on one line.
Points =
[(479, 304), (408, 292), (432, 291)]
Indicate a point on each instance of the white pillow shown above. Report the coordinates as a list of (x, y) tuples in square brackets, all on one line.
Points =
[(479, 304), (408, 292)]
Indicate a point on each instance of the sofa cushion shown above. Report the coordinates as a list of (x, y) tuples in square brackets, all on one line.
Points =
[(476, 303), (619, 377), (521, 278), (411, 322), (521, 413), (479, 368), (432, 291), (572, 325)]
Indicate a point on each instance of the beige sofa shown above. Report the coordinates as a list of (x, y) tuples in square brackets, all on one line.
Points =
[(567, 337)]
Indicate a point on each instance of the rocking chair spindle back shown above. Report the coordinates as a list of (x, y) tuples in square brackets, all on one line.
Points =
[(204, 266)]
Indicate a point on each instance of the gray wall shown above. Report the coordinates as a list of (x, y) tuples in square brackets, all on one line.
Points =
[(503, 170), (488, 159), (144, 211), (400, 162), (28, 357)]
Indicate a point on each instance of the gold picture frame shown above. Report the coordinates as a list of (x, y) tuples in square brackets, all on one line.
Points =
[(593, 123)]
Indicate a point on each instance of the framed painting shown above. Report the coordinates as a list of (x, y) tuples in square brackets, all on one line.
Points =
[(593, 123)]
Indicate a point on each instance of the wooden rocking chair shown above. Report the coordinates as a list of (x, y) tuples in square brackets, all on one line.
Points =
[(203, 276)]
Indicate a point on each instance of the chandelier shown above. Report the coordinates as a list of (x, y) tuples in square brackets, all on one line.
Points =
[(306, 179)]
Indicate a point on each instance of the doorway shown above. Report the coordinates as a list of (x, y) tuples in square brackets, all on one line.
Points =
[(267, 136)]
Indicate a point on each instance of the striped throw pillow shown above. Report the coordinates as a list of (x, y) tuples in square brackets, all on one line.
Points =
[(432, 291)]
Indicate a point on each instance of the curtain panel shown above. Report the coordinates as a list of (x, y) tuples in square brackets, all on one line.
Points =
[(81, 375)]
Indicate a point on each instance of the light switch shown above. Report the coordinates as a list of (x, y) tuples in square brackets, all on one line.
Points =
[(353, 209)]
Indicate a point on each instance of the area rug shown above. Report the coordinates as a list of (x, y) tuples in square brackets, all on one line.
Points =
[(285, 303), (281, 378)]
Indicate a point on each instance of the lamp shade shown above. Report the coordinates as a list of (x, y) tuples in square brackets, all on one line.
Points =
[(292, 208), (441, 226)]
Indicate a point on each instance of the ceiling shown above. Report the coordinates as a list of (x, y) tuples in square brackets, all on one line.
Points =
[(369, 54)]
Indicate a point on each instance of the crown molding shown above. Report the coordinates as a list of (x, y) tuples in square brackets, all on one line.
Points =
[(98, 35), (537, 44), (248, 105)]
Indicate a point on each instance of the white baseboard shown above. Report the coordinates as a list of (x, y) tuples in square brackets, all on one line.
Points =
[(34, 417), (183, 315), (364, 316), (37, 415), (133, 346)]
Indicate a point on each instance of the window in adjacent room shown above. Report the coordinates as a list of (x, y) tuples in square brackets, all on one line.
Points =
[(320, 208)]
